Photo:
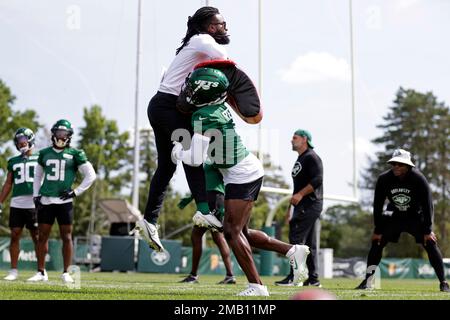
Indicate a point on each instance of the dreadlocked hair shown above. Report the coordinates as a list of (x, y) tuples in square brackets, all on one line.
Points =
[(198, 23)]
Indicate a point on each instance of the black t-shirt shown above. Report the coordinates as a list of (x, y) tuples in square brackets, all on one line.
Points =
[(409, 198), (308, 169)]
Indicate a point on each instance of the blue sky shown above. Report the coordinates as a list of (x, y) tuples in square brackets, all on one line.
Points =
[(60, 56)]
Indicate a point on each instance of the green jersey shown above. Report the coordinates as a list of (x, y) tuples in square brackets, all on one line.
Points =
[(22, 168), (225, 148), (60, 169)]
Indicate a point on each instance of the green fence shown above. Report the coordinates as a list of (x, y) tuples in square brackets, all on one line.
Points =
[(122, 253), (409, 269), (211, 262), (27, 255)]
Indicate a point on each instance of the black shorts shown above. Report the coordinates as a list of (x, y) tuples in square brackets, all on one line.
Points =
[(18, 218), (394, 226), (246, 191), (62, 212)]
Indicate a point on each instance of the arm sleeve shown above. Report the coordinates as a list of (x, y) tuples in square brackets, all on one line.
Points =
[(89, 176), (378, 203), (38, 175), (426, 204), (198, 151)]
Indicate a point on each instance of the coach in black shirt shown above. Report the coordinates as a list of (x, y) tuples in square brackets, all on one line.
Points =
[(409, 209), (307, 201)]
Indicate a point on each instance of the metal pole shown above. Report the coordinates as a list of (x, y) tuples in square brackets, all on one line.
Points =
[(353, 97), (260, 76), (135, 200)]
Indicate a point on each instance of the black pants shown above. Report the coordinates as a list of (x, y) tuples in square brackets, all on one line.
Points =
[(392, 233), (303, 230), (164, 119)]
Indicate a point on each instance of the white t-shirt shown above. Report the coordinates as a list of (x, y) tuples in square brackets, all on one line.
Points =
[(200, 48), (247, 170), (22, 202)]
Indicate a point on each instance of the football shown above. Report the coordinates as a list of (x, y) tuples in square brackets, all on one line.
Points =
[(313, 294)]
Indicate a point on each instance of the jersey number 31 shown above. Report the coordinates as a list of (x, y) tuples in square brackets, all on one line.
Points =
[(58, 169)]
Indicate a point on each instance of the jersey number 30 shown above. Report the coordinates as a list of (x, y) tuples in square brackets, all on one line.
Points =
[(23, 172), (58, 169)]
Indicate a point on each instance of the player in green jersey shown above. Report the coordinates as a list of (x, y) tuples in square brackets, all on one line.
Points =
[(20, 180), (215, 138), (53, 194)]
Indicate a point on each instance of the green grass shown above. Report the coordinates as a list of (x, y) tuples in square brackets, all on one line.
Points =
[(125, 286)]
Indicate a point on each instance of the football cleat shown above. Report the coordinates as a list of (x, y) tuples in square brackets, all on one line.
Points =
[(228, 280), (298, 263), (209, 221), (286, 282), (190, 279), (13, 274), (363, 285), (444, 286), (312, 283), (66, 278), (254, 290), (39, 277), (150, 234)]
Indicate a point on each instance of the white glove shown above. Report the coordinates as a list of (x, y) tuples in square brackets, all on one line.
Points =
[(177, 151)]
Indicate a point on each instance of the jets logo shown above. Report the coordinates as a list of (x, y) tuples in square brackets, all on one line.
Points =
[(401, 199), (206, 85), (296, 169), (160, 258)]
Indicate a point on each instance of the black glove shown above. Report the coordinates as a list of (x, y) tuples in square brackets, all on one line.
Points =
[(1, 209), (68, 194), (37, 202)]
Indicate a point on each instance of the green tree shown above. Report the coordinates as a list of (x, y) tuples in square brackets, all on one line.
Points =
[(107, 149), (346, 229), (419, 123), (273, 177), (147, 155)]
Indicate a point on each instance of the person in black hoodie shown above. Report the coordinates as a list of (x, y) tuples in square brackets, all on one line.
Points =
[(409, 209)]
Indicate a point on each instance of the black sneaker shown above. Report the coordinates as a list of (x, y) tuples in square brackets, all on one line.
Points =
[(444, 286), (286, 282), (363, 285), (190, 279), (228, 280), (313, 283)]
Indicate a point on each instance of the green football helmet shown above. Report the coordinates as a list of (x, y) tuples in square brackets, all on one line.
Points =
[(206, 86), (61, 134), (24, 134)]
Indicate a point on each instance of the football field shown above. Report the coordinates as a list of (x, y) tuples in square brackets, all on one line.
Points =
[(151, 286)]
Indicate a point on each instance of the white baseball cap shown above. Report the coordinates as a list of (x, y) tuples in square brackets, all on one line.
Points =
[(401, 156)]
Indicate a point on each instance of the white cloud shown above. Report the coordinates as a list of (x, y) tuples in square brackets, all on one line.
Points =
[(314, 67)]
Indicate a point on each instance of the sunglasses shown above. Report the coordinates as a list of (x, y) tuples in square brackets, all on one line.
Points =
[(221, 23)]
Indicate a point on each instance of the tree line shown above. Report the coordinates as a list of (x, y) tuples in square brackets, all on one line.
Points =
[(415, 121)]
